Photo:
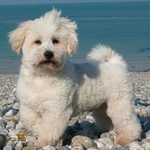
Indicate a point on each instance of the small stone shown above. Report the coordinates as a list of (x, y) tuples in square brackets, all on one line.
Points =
[(22, 135), (16, 106), (77, 146), (146, 125), (92, 149), (85, 141), (111, 135), (14, 120), (90, 118), (19, 126), (11, 113), (64, 148), (71, 130), (5, 111), (72, 121), (1, 113), (30, 148), (10, 124), (146, 144), (148, 135), (105, 135), (14, 90), (107, 142), (19, 146), (48, 147), (99, 144), (2, 141), (135, 146), (2, 123), (31, 140), (9, 146), (143, 119), (13, 132), (87, 131), (13, 138)]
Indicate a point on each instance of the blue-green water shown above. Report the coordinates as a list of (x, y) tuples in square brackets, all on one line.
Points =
[(125, 26)]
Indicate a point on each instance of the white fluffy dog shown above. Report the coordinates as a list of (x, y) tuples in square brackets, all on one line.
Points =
[(52, 89)]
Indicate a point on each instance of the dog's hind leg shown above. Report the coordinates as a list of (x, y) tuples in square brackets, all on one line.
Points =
[(102, 118), (120, 110)]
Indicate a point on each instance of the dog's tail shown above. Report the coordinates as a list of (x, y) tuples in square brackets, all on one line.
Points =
[(103, 54)]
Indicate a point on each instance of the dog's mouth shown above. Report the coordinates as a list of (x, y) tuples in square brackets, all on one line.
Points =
[(49, 63)]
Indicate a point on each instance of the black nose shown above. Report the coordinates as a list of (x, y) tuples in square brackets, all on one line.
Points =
[(48, 54)]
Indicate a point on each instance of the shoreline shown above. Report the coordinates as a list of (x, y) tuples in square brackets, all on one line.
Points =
[(135, 64)]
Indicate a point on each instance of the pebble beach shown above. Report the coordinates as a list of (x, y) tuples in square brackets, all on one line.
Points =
[(82, 132)]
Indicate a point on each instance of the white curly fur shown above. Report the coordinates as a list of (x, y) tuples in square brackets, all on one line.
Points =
[(51, 90)]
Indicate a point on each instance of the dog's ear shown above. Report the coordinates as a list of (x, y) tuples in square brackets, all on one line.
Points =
[(17, 36), (72, 40)]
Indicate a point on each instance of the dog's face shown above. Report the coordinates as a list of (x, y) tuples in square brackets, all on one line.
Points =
[(46, 42)]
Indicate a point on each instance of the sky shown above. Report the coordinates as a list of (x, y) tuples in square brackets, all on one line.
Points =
[(10, 2)]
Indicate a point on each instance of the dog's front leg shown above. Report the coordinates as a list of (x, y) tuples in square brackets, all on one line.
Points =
[(30, 118), (53, 125)]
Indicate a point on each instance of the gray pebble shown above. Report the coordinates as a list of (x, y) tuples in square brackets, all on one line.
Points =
[(19, 146), (87, 131), (9, 146), (11, 113), (10, 124), (2, 140), (48, 147), (64, 148), (83, 140)]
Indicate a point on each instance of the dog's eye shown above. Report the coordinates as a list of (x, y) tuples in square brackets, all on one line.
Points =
[(38, 42), (55, 41)]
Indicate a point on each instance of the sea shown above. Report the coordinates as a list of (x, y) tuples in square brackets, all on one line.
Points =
[(124, 26)]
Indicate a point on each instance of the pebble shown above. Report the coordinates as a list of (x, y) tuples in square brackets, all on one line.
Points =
[(19, 146), (135, 146), (10, 113), (9, 146), (10, 124), (64, 148), (83, 140), (87, 131), (48, 147), (107, 142), (82, 132), (2, 140)]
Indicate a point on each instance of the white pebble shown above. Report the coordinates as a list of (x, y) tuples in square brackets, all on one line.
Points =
[(9, 146), (10, 124), (14, 90), (30, 138), (19, 125), (90, 118), (16, 106), (92, 149), (135, 146), (13, 132), (10, 113), (19, 146), (48, 147)]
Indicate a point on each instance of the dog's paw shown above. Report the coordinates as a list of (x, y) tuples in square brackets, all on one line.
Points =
[(124, 139), (41, 142)]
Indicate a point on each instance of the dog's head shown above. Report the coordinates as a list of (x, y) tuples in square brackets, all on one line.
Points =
[(46, 42)]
